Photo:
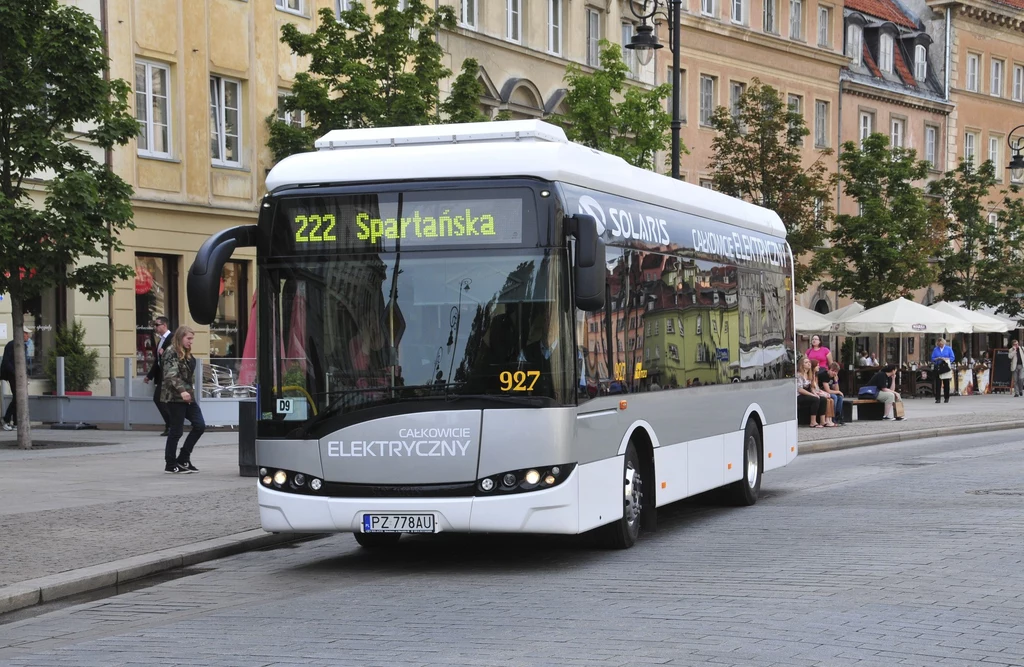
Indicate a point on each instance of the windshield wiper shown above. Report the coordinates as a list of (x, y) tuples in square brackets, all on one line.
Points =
[(337, 404)]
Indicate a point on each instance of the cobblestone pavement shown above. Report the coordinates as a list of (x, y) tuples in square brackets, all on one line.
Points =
[(908, 554)]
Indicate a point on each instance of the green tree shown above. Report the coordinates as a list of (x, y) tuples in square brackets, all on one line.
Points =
[(1009, 297), (607, 114), (758, 156), (379, 71), (976, 264), (884, 252), (55, 99)]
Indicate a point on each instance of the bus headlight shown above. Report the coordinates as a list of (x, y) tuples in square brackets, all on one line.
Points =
[(532, 477), (525, 479), (280, 477), (315, 484)]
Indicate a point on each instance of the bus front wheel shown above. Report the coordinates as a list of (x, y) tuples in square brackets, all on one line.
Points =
[(377, 540), (623, 533), (745, 491)]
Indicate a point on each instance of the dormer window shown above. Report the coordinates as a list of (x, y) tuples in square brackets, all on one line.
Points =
[(920, 62), (885, 53), (854, 43)]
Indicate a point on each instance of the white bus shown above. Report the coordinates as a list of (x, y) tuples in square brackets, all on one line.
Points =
[(487, 328)]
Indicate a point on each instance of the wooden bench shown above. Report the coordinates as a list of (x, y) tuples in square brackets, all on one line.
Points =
[(859, 408)]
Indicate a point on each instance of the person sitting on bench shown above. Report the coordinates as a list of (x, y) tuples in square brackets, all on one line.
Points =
[(806, 398), (884, 380)]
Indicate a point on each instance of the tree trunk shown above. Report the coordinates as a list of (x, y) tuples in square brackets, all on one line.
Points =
[(20, 372)]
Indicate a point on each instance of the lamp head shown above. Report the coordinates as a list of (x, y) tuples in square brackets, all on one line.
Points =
[(644, 44)]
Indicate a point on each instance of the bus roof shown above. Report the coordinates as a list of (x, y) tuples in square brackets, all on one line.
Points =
[(525, 148)]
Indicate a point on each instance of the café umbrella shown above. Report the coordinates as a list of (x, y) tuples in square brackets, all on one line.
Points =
[(902, 316)]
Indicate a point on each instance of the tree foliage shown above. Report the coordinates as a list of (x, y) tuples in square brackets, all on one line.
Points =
[(379, 71), (607, 114), (884, 252), (54, 102), (982, 255), (758, 156)]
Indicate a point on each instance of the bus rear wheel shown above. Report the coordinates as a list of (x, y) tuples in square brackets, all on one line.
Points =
[(624, 533), (377, 540), (745, 492)]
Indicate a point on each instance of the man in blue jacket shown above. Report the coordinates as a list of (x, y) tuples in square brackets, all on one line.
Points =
[(943, 372)]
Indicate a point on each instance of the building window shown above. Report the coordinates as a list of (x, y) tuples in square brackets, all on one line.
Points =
[(295, 118), (796, 19), (885, 53), (739, 12), (514, 20), (971, 147), (707, 7), (1018, 83), (920, 63), (44, 314), (770, 16), (998, 67), (593, 37), (467, 14), (341, 6), (225, 121), (156, 294), (897, 133), (854, 43), (736, 91), (824, 26), (294, 6), (628, 55), (228, 329), (821, 124), (152, 109), (707, 98), (707, 184), (1016, 141), (796, 105), (931, 134), (867, 125), (994, 144), (973, 66), (555, 27), (682, 93)]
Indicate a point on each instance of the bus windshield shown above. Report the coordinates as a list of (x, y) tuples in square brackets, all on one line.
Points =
[(344, 333)]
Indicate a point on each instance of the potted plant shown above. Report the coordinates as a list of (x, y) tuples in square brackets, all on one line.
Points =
[(79, 362)]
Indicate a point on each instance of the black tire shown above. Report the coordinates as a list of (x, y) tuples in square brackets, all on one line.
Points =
[(377, 540), (623, 533), (744, 492)]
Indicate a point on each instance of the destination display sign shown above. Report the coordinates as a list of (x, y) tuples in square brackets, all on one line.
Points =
[(387, 222)]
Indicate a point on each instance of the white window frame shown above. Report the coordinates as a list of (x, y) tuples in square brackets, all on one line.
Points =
[(736, 90), (514, 21), (796, 19), (994, 149), (341, 6), (593, 37), (973, 70), (738, 11), (931, 139), (920, 62), (468, 8), (286, 6), (220, 110), (629, 55), (885, 49), (796, 103), (897, 133), (855, 43), (821, 123), (707, 7), (555, 27), (824, 26), (770, 17), (149, 124), (1018, 83), (998, 69), (971, 148), (289, 117), (708, 84), (865, 125)]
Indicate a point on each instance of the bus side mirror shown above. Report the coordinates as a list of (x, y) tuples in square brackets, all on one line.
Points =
[(203, 286), (589, 270)]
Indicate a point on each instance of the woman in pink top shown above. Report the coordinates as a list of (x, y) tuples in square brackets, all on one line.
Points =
[(819, 354)]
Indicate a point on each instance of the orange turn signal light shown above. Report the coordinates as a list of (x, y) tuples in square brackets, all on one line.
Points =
[(622, 405)]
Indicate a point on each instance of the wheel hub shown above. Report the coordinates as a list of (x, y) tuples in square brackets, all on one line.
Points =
[(633, 495), (752, 461)]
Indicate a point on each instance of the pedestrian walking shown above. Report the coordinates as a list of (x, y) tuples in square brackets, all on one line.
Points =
[(178, 393), (942, 367), (820, 355), (10, 419), (1017, 368), (161, 327)]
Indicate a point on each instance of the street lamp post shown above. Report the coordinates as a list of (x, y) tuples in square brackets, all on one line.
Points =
[(645, 43), (1016, 165)]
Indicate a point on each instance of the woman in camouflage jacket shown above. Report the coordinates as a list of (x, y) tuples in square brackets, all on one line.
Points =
[(178, 392)]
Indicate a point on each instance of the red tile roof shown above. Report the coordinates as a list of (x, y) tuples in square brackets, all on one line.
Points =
[(870, 62), (887, 10), (901, 67), (1019, 4)]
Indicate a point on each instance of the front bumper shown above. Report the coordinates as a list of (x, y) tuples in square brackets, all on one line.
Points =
[(553, 510)]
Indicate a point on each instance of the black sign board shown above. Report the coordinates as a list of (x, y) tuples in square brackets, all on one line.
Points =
[(1000, 378)]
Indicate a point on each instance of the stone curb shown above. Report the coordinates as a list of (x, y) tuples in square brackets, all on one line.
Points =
[(86, 579), (833, 444)]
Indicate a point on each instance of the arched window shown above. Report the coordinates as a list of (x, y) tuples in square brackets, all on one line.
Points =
[(920, 63), (885, 53), (854, 43)]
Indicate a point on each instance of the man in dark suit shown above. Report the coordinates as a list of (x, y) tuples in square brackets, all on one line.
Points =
[(161, 327), (10, 419)]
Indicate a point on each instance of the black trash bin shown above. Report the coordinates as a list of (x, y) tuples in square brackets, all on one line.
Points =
[(247, 438)]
